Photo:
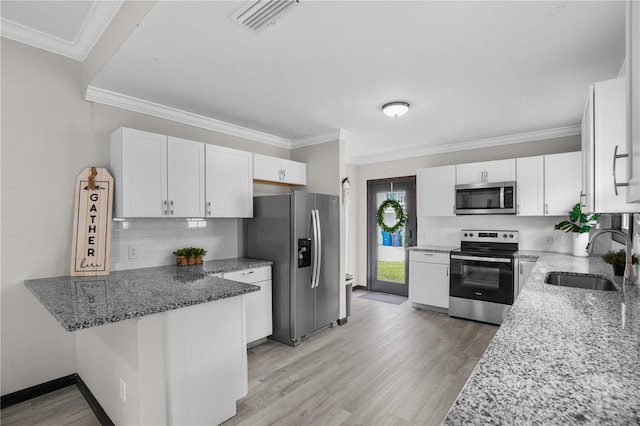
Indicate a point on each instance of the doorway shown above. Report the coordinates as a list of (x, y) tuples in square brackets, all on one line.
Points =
[(387, 257)]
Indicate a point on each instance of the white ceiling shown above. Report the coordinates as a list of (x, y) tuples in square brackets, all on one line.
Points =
[(471, 70)]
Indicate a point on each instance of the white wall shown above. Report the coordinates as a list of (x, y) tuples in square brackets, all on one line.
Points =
[(49, 134)]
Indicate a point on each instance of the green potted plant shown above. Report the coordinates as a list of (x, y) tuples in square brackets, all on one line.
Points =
[(617, 259), (200, 252), (181, 256), (579, 224), (191, 255)]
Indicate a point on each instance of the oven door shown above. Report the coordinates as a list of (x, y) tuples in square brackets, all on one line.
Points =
[(482, 277)]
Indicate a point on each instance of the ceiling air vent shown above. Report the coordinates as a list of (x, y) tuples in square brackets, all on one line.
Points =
[(257, 15)]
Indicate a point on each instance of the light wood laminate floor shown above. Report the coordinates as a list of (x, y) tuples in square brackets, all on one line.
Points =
[(389, 365)]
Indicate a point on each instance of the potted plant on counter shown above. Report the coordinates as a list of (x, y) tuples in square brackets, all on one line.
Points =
[(199, 252), (617, 259), (579, 224), (181, 256)]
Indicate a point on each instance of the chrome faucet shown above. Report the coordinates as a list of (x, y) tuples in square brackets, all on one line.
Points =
[(628, 267)]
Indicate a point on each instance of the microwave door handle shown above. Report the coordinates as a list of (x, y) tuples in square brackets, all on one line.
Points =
[(502, 197)]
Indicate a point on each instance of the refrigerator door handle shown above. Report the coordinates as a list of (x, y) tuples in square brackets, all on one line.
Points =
[(315, 248), (319, 249)]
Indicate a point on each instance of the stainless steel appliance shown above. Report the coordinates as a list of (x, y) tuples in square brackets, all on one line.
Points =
[(481, 285), (300, 234), (486, 198)]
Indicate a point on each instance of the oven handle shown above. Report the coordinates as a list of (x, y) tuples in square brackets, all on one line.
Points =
[(481, 259)]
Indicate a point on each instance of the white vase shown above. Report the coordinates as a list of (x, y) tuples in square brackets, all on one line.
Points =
[(580, 242)]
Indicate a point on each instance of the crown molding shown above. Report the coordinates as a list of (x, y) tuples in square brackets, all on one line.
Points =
[(463, 146), (118, 100), (92, 28), (330, 136)]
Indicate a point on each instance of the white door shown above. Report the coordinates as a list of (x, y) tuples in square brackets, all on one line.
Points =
[(500, 170), (185, 174), (229, 182), (429, 284), (294, 172), (435, 191), (469, 173), (530, 186), (562, 182), (144, 174), (266, 168)]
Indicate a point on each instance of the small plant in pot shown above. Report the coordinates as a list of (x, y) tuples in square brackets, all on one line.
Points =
[(579, 223), (617, 259), (200, 252), (181, 256)]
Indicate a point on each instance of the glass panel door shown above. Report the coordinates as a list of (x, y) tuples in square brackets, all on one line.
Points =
[(388, 264)]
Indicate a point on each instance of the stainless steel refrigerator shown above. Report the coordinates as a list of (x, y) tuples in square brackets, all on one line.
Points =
[(300, 234)]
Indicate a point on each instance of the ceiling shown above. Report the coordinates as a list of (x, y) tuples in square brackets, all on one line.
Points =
[(476, 73)]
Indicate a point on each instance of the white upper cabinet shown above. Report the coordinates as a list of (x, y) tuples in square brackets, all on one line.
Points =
[(229, 182), (156, 175), (562, 182), (633, 99), (530, 186), (139, 167), (486, 172), (185, 178), (604, 149), (279, 170), (436, 191)]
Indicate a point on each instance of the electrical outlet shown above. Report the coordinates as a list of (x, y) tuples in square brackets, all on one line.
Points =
[(133, 252), (123, 390), (549, 239)]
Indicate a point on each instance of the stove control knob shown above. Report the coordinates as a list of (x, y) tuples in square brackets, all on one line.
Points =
[(471, 234), (510, 235), (504, 236), (465, 234)]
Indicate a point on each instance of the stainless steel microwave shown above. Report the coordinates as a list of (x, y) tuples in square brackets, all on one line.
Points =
[(486, 198)]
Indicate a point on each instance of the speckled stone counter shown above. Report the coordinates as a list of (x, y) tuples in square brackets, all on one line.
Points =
[(78, 302), (433, 249), (562, 356)]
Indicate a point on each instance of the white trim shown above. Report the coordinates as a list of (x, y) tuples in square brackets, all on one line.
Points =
[(118, 100), (92, 28), (330, 136), (463, 146)]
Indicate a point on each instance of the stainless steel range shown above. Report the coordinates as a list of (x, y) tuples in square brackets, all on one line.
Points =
[(481, 281)]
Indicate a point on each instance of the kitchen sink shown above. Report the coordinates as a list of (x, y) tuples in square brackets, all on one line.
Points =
[(572, 279)]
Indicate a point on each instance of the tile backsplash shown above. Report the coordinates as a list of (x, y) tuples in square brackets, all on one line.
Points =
[(156, 239)]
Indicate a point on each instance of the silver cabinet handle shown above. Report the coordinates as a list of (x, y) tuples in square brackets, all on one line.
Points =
[(546, 208), (447, 271), (164, 207), (209, 208), (517, 208), (453, 209), (615, 157), (171, 205), (520, 268), (248, 273)]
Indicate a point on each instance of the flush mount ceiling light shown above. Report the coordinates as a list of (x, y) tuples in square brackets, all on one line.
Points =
[(395, 109)]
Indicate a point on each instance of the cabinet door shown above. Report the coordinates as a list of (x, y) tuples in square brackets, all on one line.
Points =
[(530, 186), (469, 173), (500, 171), (139, 164), (185, 172), (429, 284), (633, 99), (609, 127), (266, 168), (293, 172), (259, 319), (229, 182), (587, 140), (562, 182), (436, 191)]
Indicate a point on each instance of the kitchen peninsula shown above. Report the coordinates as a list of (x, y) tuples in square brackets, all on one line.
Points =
[(162, 345)]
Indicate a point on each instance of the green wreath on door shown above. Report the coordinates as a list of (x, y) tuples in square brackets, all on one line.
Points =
[(401, 216)]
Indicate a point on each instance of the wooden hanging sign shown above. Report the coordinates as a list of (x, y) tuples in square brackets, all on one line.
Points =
[(90, 254)]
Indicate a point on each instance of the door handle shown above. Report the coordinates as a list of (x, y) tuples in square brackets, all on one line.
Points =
[(314, 269), (615, 157), (319, 251)]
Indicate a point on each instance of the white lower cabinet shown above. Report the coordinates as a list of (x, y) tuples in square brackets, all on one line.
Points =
[(523, 270), (429, 279), (257, 304)]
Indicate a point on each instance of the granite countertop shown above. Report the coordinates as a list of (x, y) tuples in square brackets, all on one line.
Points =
[(83, 302), (433, 248), (562, 356)]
